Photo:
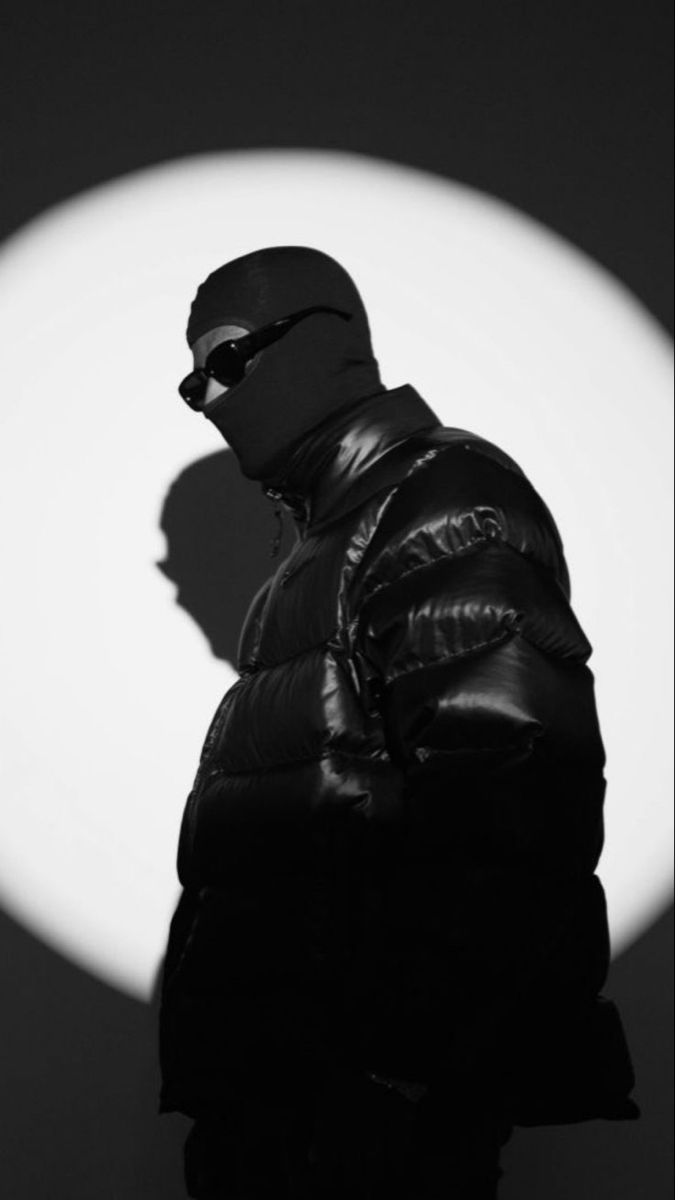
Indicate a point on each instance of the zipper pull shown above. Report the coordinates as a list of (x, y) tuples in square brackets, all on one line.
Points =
[(278, 512)]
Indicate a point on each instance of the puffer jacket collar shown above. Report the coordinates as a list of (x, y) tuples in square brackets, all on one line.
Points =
[(332, 468)]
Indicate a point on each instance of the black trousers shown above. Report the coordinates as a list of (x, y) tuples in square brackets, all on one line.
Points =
[(352, 1140)]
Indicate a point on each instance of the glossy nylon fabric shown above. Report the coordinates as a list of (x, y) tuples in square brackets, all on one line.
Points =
[(322, 365), (388, 855)]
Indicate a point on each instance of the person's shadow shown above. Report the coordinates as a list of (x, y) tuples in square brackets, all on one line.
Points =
[(219, 529), (80, 1072)]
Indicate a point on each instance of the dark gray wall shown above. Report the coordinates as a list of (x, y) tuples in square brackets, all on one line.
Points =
[(561, 110)]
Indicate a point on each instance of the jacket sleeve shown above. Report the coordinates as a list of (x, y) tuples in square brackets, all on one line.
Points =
[(476, 665)]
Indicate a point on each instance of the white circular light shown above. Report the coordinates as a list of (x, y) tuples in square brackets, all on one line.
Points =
[(503, 328)]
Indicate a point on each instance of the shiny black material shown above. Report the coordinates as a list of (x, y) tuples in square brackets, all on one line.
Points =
[(388, 857)]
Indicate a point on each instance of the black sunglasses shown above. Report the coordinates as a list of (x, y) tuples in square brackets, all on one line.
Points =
[(227, 361)]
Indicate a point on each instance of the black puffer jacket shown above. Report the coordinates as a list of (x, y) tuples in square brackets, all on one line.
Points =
[(388, 856)]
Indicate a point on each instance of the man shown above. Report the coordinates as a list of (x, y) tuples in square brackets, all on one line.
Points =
[(391, 941)]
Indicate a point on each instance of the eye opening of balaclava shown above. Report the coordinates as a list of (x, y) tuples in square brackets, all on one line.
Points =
[(322, 365)]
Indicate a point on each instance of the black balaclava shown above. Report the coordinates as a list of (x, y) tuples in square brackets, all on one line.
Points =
[(323, 365)]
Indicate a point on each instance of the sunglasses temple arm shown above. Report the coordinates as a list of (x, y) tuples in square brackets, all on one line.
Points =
[(267, 336), (252, 343)]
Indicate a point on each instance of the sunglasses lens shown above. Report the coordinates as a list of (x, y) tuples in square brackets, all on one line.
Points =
[(192, 389), (226, 365)]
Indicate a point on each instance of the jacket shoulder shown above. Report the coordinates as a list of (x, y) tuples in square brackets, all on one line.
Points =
[(460, 493)]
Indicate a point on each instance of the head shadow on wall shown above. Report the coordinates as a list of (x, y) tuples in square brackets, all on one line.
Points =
[(219, 527)]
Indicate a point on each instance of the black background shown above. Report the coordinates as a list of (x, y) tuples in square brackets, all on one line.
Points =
[(562, 110)]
